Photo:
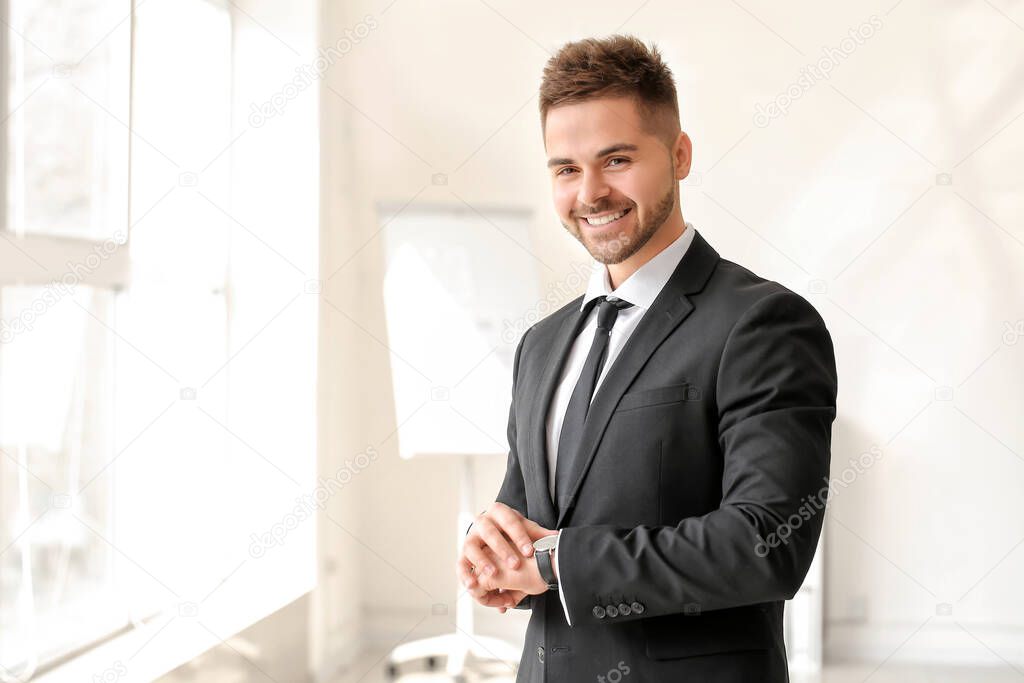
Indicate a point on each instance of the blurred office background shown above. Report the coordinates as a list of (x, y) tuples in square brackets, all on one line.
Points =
[(217, 212)]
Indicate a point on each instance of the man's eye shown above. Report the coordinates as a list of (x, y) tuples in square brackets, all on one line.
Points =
[(564, 169), (623, 159)]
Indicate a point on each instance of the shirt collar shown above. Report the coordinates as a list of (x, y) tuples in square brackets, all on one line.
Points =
[(643, 286)]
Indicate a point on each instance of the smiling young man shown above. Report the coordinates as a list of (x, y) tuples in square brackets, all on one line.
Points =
[(662, 425)]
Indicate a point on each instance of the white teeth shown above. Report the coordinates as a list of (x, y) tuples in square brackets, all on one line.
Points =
[(604, 220)]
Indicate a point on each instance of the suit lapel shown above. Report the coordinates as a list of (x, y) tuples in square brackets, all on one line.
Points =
[(670, 308)]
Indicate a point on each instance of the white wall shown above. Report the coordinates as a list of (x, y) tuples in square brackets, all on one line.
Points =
[(840, 199)]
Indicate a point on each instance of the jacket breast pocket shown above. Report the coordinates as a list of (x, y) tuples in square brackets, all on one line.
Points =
[(673, 393), (728, 630)]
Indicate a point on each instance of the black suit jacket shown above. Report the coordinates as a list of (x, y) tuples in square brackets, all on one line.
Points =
[(698, 510)]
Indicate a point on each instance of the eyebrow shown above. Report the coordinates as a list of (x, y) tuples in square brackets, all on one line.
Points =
[(618, 147)]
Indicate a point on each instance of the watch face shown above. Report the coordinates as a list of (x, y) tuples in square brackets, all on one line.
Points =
[(546, 543)]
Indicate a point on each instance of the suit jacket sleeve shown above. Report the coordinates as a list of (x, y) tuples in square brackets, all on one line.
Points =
[(513, 488), (776, 400)]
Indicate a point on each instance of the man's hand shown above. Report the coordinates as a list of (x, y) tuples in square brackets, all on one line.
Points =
[(525, 579), (495, 557), (502, 600)]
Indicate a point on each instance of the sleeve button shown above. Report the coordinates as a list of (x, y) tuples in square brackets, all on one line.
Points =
[(624, 609), (599, 612), (611, 610), (637, 608)]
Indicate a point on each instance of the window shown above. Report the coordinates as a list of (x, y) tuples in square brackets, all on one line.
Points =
[(64, 147), (157, 357)]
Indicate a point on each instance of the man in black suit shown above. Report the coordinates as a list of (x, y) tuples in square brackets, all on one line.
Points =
[(669, 432)]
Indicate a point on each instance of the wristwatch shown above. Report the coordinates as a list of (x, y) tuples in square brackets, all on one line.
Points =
[(543, 550)]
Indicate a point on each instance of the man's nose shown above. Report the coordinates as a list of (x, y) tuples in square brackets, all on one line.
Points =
[(592, 189)]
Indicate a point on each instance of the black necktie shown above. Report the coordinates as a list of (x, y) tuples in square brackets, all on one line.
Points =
[(579, 403)]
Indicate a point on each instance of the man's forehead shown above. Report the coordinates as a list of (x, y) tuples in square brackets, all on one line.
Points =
[(605, 112), (583, 128)]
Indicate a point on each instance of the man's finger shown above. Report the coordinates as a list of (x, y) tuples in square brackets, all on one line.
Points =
[(477, 586), (492, 535), (479, 592), (484, 585), (514, 525), (488, 582), (502, 600), (536, 530), (474, 587), (464, 570), (479, 558)]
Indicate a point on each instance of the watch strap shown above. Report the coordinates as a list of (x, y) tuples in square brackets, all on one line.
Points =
[(547, 572)]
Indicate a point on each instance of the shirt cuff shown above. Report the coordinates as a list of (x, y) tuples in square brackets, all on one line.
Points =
[(561, 593)]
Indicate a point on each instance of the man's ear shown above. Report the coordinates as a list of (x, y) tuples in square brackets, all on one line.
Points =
[(682, 156)]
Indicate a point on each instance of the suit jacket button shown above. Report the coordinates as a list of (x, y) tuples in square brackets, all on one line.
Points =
[(624, 609), (540, 654), (611, 610), (637, 608), (599, 612)]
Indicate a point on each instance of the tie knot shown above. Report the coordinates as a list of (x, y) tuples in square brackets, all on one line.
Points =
[(608, 311)]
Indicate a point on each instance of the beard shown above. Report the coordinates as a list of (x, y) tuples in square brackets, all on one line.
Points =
[(618, 247)]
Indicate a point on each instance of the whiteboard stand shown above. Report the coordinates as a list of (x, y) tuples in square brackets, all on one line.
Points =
[(456, 647), (479, 277)]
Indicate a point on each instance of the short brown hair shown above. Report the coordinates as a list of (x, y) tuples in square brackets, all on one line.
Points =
[(619, 65)]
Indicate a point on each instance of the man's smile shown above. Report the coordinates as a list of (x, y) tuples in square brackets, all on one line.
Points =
[(604, 220)]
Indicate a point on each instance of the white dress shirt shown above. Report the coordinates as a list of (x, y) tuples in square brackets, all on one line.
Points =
[(640, 289)]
